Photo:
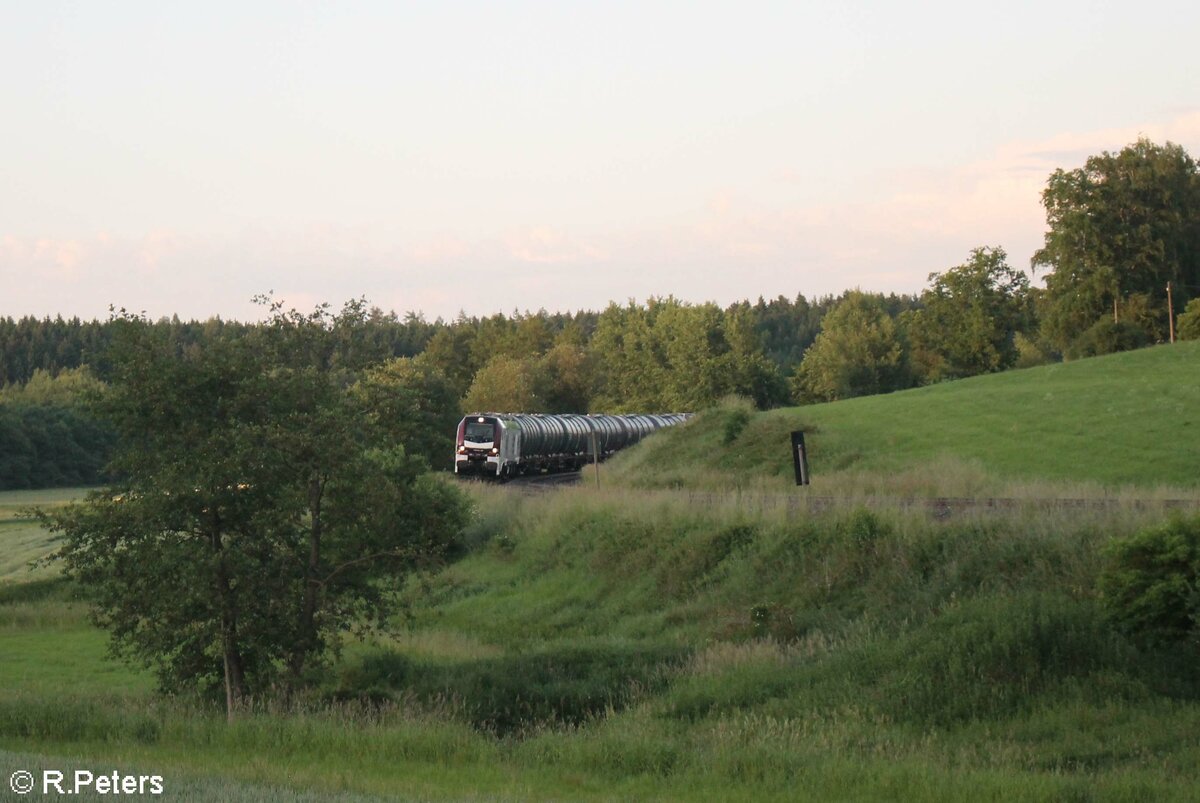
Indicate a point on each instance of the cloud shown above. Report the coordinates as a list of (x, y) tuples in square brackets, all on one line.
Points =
[(44, 257), (439, 250), (732, 244), (543, 245)]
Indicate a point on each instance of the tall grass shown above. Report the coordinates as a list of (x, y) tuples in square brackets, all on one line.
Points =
[(667, 644)]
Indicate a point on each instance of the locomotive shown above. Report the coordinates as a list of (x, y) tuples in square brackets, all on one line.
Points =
[(504, 445)]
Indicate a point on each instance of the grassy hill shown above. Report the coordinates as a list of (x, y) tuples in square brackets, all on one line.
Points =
[(1130, 419)]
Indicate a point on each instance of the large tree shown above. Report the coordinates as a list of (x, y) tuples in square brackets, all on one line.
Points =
[(858, 352), (505, 385), (258, 513), (412, 402), (1120, 228), (969, 318), (673, 356), (566, 374), (632, 373)]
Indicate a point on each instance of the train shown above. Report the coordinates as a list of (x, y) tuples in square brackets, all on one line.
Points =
[(506, 445)]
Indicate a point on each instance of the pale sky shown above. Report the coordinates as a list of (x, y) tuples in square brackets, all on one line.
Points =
[(495, 156)]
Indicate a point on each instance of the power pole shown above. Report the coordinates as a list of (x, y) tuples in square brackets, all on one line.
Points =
[(1170, 313)]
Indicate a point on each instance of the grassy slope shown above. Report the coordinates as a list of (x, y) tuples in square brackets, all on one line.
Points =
[(1130, 419), (715, 652)]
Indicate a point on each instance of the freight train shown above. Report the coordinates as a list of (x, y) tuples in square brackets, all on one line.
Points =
[(504, 445)]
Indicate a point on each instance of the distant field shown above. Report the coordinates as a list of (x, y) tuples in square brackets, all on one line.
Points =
[(1124, 420), (22, 542), (12, 503), (21, 539)]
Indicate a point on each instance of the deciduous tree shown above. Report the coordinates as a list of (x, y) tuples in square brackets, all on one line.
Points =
[(858, 352), (506, 385), (1124, 223), (413, 403), (1187, 326), (969, 318), (258, 513)]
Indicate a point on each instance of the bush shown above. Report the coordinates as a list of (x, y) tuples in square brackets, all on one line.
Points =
[(1031, 351), (1187, 325), (1108, 337), (1151, 585), (735, 421)]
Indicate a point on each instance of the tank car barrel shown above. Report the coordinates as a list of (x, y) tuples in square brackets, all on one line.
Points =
[(539, 442)]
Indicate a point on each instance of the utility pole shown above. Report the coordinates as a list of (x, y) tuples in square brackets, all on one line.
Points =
[(1170, 313)]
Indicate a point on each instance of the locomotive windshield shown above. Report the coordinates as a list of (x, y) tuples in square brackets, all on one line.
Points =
[(479, 433)]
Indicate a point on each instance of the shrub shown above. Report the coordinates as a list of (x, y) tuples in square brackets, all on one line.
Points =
[(1151, 585), (1187, 325), (735, 421), (1108, 337), (862, 527), (1031, 351)]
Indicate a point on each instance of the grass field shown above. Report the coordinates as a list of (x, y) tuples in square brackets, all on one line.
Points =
[(1097, 425), (22, 541), (615, 645)]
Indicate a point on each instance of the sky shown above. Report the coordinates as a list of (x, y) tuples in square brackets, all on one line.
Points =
[(484, 157)]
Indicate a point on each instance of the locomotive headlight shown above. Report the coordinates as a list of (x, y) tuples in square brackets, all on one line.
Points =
[(495, 450), (462, 450)]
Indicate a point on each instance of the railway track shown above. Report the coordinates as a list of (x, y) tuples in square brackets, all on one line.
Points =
[(532, 484), (942, 506), (542, 483), (938, 507)]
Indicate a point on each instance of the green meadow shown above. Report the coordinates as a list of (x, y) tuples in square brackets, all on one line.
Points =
[(644, 641), (1098, 426)]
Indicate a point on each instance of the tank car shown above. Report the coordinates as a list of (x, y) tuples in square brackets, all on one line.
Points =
[(504, 445)]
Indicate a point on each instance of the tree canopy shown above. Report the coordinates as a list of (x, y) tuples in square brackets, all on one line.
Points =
[(1119, 228), (672, 356), (858, 352), (410, 401), (969, 318), (504, 384), (257, 512)]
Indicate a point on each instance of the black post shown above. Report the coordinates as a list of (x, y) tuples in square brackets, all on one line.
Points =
[(800, 458)]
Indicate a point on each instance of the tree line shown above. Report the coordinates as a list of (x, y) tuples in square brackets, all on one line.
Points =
[(48, 438), (29, 345)]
